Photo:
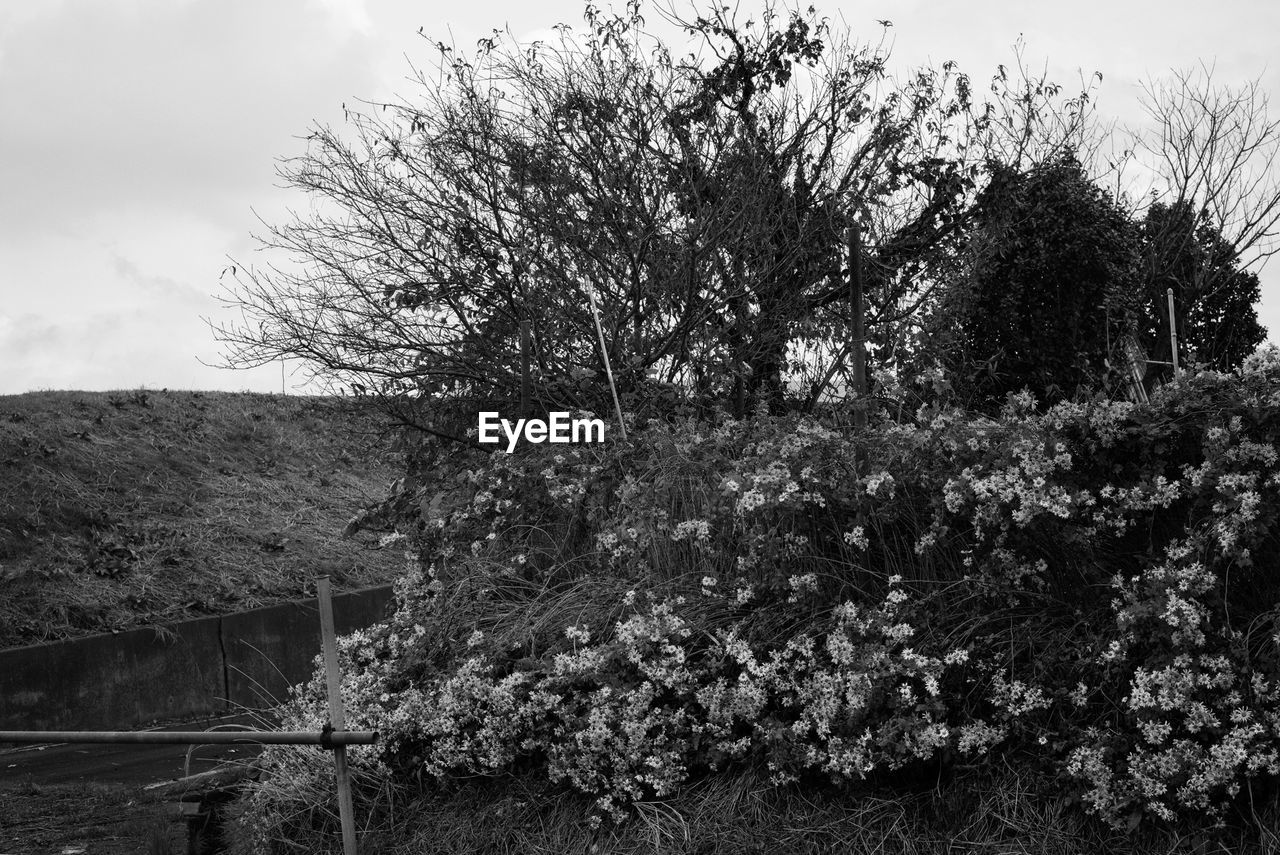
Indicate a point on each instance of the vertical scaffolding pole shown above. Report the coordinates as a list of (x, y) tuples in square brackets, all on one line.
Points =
[(337, 714), (604, 354)]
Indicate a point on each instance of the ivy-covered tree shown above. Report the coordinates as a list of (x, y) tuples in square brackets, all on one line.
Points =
[(1051, 285)]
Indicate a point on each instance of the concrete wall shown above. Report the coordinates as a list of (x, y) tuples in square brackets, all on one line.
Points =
[(197, 667)]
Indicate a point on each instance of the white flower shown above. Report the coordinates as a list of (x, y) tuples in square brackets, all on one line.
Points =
[(857, 538)]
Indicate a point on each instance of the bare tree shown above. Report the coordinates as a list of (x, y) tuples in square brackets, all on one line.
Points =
[(1213, 149), (1213, 218), (704, 199)]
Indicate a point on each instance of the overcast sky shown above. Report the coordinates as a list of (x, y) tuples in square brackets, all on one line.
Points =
[(137, 138)]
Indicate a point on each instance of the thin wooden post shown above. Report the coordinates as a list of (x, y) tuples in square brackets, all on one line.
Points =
[(857, 325), (337, 714), (1173, 333)]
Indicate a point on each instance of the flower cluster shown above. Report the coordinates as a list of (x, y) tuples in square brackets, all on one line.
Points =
[(635, 714), (1094, 584)]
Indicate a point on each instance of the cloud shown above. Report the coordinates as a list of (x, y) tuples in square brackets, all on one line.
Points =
[(349, 13), (160, 103), (139, 134), (139, 346), (162, 287), (29, 346)]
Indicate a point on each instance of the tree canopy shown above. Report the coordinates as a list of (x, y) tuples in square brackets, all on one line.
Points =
[(704, 200), (1052, 281), (1214, 298)]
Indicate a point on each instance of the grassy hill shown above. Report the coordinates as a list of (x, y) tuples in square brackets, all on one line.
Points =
[(121, 509)]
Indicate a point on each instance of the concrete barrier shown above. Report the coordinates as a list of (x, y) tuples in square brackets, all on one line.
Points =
[(109, 681), (268, 650), (205, 666)]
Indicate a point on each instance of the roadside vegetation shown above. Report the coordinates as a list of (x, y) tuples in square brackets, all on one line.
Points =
[(139, 508), (1068, 615), (917, 538)]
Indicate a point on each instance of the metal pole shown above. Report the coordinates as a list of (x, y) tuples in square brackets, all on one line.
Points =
[(1173, 333), (337, 714), (858, 326), (193, 737), (604, 353), (526, 382)]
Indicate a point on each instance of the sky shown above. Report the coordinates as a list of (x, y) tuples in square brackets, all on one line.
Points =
[(139, 140)]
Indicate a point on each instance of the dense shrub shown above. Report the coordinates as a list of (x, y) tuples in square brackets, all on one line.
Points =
[(1093, 586)]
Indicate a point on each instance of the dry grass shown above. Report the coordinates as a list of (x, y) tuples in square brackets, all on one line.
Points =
[(1006, 810), (121, 509)]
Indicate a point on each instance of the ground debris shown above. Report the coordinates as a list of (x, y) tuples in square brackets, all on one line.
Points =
[(92, 819)]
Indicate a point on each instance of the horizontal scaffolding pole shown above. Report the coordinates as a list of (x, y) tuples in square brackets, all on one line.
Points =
[(327, 738)]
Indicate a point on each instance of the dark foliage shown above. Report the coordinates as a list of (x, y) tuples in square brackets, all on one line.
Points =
[(1055, 262), (1213, 297)]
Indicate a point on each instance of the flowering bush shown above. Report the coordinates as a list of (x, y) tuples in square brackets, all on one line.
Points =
[(633, 717), (1094, 585)]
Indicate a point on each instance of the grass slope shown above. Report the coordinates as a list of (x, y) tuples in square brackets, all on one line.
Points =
[(121, 509)]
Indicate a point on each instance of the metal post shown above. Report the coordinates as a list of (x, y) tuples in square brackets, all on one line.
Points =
[(858, 326), (1173, 333), (526, 381), (337, 714), (604, 354), (326, 738)]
